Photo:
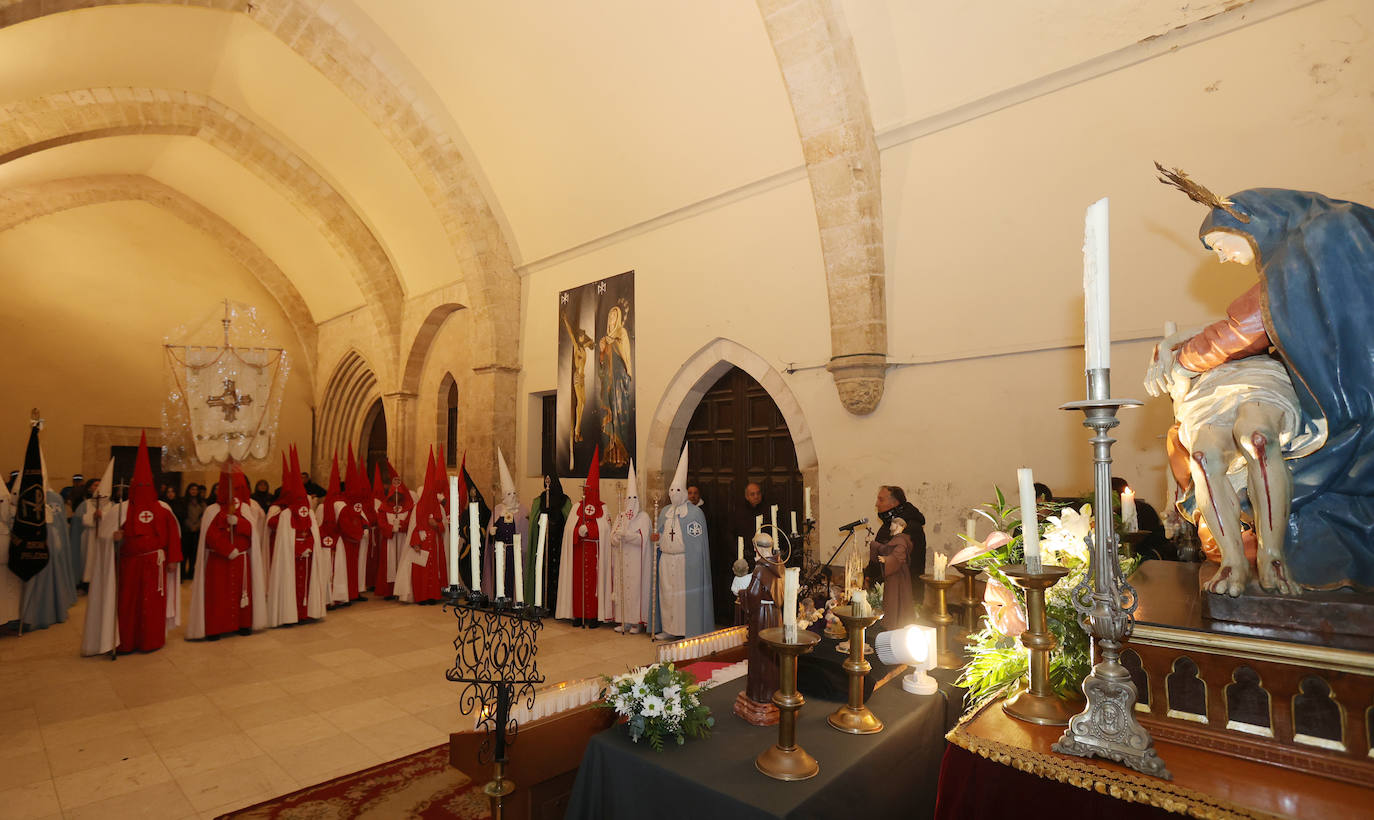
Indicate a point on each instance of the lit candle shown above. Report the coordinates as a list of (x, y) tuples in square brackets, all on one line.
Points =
[(758, 524), (773, 519), (453, 532), (794, 521), (500, 569), (475, 548), (1128, 515), (519, 571), (1030, 524), (941, 565), (741, 548), (858, 603), (539, 559), (1096, 287), (790, 580), (806, 514)]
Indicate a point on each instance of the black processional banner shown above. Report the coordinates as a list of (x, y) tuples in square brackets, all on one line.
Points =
[(29, 531), (596, 385)]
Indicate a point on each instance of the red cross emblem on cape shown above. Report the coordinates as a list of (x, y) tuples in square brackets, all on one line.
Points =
[(146, 516)]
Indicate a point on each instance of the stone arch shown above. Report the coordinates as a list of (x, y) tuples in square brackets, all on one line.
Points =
[(326, 42), (30, 126), (419, 346), (349, 395), (815, 51), (20, 205), (668, 429)]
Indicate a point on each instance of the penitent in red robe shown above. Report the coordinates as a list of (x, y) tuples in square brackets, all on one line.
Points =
[(585, 553), (228, 582), (353, 527), (143, 560)]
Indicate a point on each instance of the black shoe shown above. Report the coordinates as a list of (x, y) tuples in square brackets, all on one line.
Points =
[(361, 598), (391, 598), (592, 623), (245, 630), (211, 637), (577, 623)]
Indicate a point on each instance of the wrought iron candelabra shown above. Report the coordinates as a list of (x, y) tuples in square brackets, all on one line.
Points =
[(1107, 726), (496, 647)]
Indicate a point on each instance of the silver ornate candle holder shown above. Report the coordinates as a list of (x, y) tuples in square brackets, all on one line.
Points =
[(1107, 726)]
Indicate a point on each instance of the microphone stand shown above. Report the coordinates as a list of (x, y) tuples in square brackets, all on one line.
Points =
[(825, 568)]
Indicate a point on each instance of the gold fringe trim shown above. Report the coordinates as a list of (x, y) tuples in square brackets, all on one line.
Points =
[(1077, 772)]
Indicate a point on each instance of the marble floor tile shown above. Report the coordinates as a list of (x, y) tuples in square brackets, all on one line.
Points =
[(168, 736), (164, 800), (21, 742), (398, 737), (228, 698), (238, 784), (24, 770), (67, 758), (36, 801), (284, 734), (200, 756), (110, 780), (363, 713), (317, 761)]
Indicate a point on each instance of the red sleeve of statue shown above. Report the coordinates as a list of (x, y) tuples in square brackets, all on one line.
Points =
[(1239, 335)]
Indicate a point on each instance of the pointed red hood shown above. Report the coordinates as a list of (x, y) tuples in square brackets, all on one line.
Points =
[(591, 491), (293, 496), (427, 507), (142, 496), (329, 523)]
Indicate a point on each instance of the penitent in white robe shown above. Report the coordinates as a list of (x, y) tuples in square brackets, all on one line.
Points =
[(257, 567), (631, 579), (282, 606)]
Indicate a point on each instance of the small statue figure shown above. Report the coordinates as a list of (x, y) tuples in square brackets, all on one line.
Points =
[(1312, 305), (761, 611), (894, 555)]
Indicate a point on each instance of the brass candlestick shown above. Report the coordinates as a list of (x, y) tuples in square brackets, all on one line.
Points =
[(854, 717), (785, 760), (945, 659), (970, 595), (1038, 704)]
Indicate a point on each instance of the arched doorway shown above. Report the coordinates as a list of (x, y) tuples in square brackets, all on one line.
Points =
[(737, 435), (374, 438)]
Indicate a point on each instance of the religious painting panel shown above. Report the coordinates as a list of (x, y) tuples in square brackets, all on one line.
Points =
[(596, 384)]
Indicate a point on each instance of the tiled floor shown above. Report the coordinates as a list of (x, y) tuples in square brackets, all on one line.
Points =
[(196, 729)]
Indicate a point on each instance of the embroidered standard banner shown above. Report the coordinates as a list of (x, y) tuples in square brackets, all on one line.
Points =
[(29, 530), (596, 377)]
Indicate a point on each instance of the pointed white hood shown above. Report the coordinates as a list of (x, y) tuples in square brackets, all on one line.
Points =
[(508, 495), (677, 491), (632, 492)]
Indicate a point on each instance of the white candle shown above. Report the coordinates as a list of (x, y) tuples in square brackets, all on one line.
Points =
[(773, 519), (758, 524), (790, 580), (971, 527), (1128, 515), (741, 548), (806, 508), (858, 603), (500, 569), (539, 560), (1030, 524), (519, 571), (794, 521), (453, 531), (941, 565), (475, 548), (1096, 287)]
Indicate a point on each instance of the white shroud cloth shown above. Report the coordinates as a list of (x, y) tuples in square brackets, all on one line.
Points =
[(195, 619), (281, 586), (567, 572)]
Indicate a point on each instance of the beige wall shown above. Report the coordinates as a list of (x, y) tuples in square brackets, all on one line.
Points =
[(98, 289)]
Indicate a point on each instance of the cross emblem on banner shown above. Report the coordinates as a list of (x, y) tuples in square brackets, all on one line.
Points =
[(229, 401)]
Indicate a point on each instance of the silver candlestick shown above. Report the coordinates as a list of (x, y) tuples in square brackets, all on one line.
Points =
[(1107, 726)]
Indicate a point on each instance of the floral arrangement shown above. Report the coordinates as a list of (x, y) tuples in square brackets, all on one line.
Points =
[(660, 702), (998, 662)]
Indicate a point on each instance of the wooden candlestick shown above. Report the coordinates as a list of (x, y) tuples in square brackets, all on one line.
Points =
[(854, 717), (785, 760)]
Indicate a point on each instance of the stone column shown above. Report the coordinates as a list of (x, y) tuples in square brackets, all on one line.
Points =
[(491, 423), (401, 435)]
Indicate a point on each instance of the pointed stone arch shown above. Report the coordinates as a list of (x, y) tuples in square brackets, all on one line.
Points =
[(668, 429), (19, 205), (351, 392)]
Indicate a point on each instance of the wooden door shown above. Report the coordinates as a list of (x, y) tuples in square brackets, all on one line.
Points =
[(738, 435)]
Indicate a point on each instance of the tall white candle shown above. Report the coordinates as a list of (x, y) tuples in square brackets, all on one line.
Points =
[(519, 571), (453, 531), (539, 560), (1096, 287), (741, 548), (806, 507), (475, 548), (1030, 523), (971, 527), (1128, 515), (941, 565), (773, 519), (500, 569), (794, 522), (758, 524), (791, 579)]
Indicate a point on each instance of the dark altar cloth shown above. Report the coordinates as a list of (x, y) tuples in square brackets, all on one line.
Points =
[(973, 786), (820, 672), (890, 774)]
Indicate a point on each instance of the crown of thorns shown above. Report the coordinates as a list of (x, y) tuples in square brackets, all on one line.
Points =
[(1197, 193)]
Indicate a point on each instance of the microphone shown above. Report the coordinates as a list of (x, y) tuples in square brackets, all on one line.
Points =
[(852, 524)]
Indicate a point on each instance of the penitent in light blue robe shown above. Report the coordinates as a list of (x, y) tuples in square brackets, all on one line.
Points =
[(49, 594), (77, 543), (696, 572)]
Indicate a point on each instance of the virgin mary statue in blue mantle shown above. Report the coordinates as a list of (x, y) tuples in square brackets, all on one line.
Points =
[(1315, 259)]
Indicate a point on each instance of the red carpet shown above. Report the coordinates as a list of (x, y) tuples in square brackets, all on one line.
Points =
[(421, 785)]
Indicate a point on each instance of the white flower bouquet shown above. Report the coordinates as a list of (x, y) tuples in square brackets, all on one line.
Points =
[(660, 702)]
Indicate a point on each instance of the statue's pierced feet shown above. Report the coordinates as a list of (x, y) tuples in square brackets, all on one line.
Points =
[(1230, 579), (1273, 574)]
